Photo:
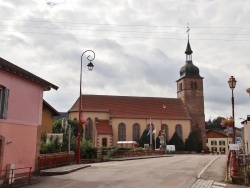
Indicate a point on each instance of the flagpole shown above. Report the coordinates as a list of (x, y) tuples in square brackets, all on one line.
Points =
[(155, 138), (150, 126)]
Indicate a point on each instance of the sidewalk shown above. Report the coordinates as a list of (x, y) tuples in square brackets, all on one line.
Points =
[(214, 175)]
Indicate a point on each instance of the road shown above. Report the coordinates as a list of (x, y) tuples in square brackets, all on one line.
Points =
[(178, 171)]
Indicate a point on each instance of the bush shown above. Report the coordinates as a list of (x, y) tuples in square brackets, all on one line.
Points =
[(87, 150), (52, 147)]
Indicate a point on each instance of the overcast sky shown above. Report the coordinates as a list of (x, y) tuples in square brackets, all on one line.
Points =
[(139, 47)]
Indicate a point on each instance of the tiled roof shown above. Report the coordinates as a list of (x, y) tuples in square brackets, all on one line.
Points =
[(133, 107), (222, 133), (103, 127), (13, 69)]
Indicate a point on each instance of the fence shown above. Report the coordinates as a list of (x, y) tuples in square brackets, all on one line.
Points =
[(56, 159), (126, 153), (13, 174), (242, 175)]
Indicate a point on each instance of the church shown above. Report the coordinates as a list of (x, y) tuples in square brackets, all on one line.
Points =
[(124, 118)]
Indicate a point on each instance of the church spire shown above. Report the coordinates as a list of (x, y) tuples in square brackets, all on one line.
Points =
[(188, 51)]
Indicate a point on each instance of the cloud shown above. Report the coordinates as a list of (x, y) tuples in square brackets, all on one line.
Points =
[(139, 47)]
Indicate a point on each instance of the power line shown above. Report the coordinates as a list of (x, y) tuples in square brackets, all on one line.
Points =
[(127, 25), (140, 37), (120, 31)]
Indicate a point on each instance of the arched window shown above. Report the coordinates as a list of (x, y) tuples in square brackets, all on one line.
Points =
[(136, 132), (195, 85), (180, 86), (164, 127), (89, 129), (104, 142), (121, 132), (178, 130), (192, 85)]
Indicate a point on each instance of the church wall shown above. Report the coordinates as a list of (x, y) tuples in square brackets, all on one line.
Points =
[(101, 136), (186, 127), (143, 124)]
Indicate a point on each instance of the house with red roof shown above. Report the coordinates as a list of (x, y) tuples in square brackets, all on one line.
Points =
[(21, 108), (124, 118)]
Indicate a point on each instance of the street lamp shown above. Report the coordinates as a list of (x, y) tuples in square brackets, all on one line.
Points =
[(90, 67), (232, 84)]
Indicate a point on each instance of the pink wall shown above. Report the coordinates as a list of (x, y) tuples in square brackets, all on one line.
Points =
[(23, 117), (25, 100)]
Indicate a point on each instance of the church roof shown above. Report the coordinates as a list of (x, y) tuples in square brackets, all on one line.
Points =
[(133, 107), (188, 49), (103, 127), (189, 70)]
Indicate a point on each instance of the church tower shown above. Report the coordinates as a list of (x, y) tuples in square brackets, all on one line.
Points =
[(190, 91)]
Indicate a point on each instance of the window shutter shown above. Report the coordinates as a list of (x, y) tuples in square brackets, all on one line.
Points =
[(5, 102)]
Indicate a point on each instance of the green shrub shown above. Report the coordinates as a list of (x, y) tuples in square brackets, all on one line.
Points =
[(87, 150)]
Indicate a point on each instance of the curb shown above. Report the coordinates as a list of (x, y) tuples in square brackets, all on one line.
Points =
[(53, 172)]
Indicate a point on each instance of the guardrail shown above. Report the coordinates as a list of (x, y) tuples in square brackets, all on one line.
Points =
[(55, 159), (13, 175)]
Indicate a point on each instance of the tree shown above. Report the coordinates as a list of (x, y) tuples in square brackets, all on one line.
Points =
[(177, 141), (214, 124), (194, 141), (145, 139), (57, 128)]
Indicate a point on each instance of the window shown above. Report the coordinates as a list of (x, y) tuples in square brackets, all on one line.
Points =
[(178, 130), (104, 142), (136, 132), (213, 142), (192, 85), (121, 132), (164, 127), (195, 85), (221, 142), (214, 149), (4, 95), (180, 86), (222, 149), (89, 129)]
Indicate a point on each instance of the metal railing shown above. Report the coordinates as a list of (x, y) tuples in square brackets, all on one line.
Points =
[(12, 174)]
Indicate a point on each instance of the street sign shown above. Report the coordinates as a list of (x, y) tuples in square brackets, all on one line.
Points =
[(238, 140), (234, 147), (171, 147)]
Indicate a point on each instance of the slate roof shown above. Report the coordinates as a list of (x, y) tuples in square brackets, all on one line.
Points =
[(133, 107), (6, 66), (103, 127)]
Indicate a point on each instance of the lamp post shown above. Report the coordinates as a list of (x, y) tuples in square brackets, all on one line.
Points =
[(90, 67), (232, 84)]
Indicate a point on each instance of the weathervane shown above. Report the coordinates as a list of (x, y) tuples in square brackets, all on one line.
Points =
[(188, 29)]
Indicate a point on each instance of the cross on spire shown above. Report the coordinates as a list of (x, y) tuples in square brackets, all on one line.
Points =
[(188, 29)]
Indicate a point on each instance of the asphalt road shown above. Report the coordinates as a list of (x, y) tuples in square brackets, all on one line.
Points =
[(178, 171)]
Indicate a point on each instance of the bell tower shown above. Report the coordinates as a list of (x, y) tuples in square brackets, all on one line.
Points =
[(190, 91)]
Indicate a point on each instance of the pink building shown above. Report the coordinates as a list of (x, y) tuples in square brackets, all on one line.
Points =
[(21, 101)]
